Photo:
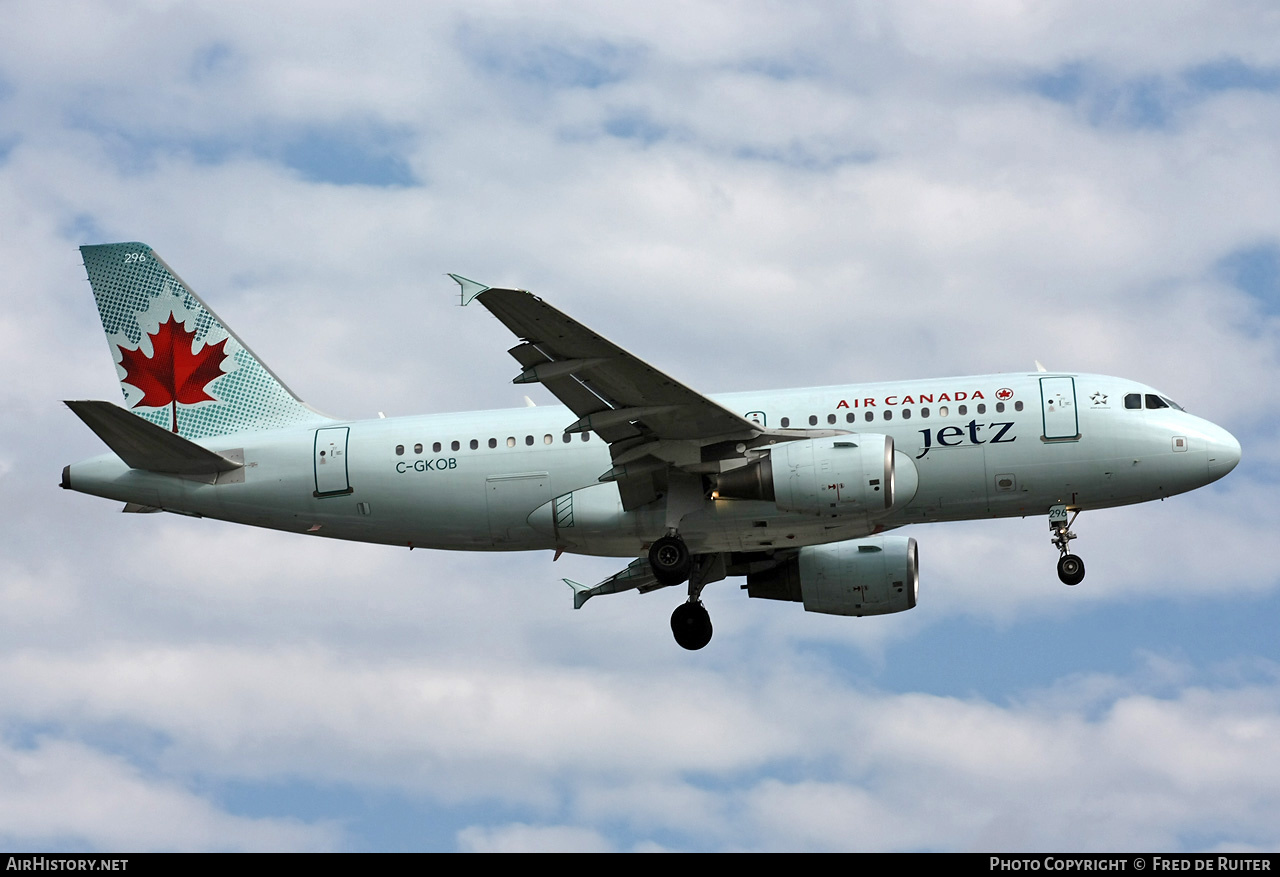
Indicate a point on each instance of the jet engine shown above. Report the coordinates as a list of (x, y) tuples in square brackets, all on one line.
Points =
[(872, 576), (827, 476)]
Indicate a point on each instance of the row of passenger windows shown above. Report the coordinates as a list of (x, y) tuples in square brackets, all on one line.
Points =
[(474, 444), (904, 413), (851, 417), (1131, 400)]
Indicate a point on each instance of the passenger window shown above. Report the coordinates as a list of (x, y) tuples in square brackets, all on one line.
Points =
[(831, 418), (417, 449), (1154, 401), (493, 442), (1017, 406), (474, 444), (399, 450), (963, 410), (511, 441), (786, 422), (1133, 400), (942, 412), (528, 440), (436, 448), (454, 445), (849, 417), (813, 420), (924, 412), (982, 408), (586, 436), (567, 438), (546, 439), (999, 408), (906, 413), (870, 416), (888, 415)]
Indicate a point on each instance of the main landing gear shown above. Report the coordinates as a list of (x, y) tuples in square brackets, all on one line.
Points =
[(691, 624), (1070, 567), (671, 562)]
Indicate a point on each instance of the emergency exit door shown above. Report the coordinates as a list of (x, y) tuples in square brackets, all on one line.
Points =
[(331, 461)]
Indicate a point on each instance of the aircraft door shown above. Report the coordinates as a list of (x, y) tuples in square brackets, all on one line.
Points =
[(331, 461), (1058, 404)]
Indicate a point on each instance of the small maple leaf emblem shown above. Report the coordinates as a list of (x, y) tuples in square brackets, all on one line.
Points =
[(174, 373)]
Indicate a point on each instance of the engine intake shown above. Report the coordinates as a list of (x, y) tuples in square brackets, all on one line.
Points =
[(873, 576), (827, 476)]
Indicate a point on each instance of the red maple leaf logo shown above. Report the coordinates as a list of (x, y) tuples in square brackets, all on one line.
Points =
[(173, 373)]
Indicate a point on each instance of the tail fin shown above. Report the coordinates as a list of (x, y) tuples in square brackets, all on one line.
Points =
[(180, 367)]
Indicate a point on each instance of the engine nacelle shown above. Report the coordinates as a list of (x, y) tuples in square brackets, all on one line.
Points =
[(839, 475), (873, 576)]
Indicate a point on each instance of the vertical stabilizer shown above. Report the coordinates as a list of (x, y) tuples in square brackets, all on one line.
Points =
[(179, 366)]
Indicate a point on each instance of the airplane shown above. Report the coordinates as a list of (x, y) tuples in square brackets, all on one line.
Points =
[(796, 490)]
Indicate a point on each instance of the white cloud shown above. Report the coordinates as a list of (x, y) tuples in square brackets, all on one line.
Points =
[(1106, 763), (520, 838), (61, 792)]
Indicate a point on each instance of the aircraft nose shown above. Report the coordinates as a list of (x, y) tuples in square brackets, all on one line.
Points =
[(1224, 452)]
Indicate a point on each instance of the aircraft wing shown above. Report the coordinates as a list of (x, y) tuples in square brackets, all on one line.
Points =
[(651, 421)]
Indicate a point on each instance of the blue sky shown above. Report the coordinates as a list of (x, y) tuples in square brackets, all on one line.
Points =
[(823, 194)]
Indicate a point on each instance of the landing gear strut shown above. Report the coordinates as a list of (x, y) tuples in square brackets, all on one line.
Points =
[(1070, 567), (672, 563)]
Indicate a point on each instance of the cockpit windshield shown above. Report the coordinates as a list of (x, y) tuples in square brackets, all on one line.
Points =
[(1135, 400)]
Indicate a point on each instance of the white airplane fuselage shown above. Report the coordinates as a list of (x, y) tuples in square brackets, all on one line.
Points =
[(982, 447)]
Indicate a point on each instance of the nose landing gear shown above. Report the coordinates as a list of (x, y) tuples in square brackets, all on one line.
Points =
[(1070, 567)]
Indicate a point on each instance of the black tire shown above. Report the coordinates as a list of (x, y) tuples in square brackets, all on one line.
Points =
[(670, 560), (1071, 569), (691, 625)]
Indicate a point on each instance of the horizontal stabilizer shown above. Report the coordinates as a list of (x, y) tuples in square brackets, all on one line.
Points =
[(143, 445)]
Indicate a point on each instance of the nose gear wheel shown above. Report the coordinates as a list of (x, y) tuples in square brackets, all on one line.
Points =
[(1070, 569)]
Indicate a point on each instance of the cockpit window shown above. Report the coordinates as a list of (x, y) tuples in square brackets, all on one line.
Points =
[(1154, 401), (1172, 404), (1133, 400)]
